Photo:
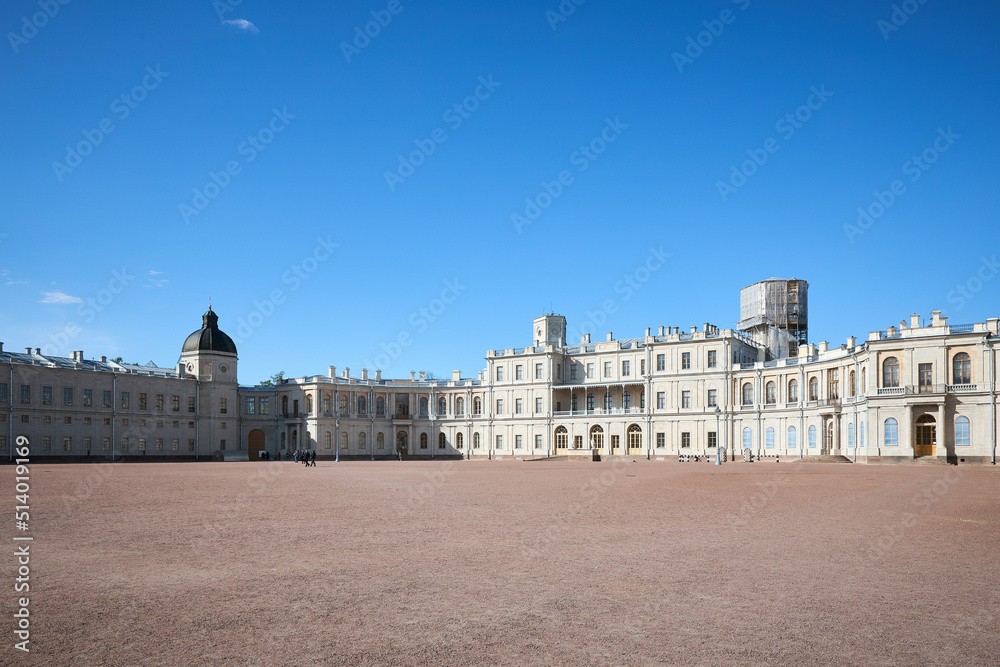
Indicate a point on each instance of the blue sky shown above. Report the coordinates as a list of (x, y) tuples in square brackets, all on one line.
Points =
[(629, 164)]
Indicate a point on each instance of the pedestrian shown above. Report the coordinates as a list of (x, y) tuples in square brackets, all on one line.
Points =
[(312, 458)]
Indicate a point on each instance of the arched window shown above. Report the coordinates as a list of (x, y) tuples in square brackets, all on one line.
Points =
[(380, 406), (812, 437), (475, 440), (813, 389), (284, 404), (326, 402), (861, 434), (597, 437), (634, 437), (854, 386), (562, 437), (850, 436), (380, 440), (890, 372), (459, 440), (626, 400), (747, 394), (459, 406), (328, 441), (770, 394), (423, 441), (590, 401), (343, 404), (891, 432), (607, 400), (344, 442), (769, 433), (309, 403), (791, 438), (477, 406), (962, 431), (747, 438), (961, 369), (864, 380), (793, 391), (362, 405), (423, 406), (442, 441), (362, 440), (442, 406)]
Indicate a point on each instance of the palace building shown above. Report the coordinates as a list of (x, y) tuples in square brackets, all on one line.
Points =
[(913, 391)]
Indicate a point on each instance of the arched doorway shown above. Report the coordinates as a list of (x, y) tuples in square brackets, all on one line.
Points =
[(562, 437), (926, 436), (634, 438), (255, 444), (597, 437), (401, 442)]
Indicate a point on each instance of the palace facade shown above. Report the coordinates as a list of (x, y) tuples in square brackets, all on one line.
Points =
[(907, 392)]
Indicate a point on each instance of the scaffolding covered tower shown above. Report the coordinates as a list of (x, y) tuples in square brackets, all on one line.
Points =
[(776, 313)]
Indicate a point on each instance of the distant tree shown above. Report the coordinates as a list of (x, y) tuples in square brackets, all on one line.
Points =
[(431, 376), (277, 378), (118, 360)]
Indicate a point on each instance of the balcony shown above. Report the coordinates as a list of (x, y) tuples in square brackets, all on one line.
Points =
[(892, 391), (961, 388)]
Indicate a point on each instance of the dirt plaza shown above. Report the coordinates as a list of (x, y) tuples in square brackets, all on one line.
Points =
[(512, 562)]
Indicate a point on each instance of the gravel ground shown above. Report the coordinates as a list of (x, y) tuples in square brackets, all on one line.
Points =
[(511, 563)]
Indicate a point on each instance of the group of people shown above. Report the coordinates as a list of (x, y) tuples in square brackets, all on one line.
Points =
[(307, 457), (266, 456)]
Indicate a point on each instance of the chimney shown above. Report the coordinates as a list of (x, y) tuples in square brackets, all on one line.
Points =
[(347, 372), (333, 371), (104, 359), (914, 321), (610, 337), (677, 330), (823, 347), (693, 329), (647, 336), (585, 338), (661, 331), (456, 376), (993, 324), (27, 350), (378, 374), (890, 332), (705, 329), (423, 376), (851, 341), (413, 376), (364, 373), (937, 320), (38, 351)]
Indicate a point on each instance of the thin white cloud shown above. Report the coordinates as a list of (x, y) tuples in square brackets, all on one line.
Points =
[(60, 297), (155, 273), (153, 282), (242, 24)]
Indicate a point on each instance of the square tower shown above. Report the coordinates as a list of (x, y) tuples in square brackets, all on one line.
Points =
[(549, 330)]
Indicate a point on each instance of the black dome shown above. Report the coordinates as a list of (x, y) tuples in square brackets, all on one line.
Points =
[(209, 338)]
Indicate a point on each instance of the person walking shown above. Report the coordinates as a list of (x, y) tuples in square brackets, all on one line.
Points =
[(312, 458)]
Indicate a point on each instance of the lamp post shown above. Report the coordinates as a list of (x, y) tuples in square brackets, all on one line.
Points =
[(718, 456)]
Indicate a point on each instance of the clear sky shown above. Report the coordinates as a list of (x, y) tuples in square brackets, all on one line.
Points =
[(471, 166)]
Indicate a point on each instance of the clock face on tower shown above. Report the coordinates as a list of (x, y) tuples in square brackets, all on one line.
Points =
[(223, 368)]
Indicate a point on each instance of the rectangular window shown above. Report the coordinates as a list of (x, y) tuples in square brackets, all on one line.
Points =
[(190, 445), (124, 443), (686, 360), (499, 373), (25, 394), (159, 444), (685, 440), (538, 442), (175, 444), (661, 362), (125, 421), (3, 443), (3, 392), (67, 396), (833, 383), (175, 403), (713, 397), (518, 442), (590, 370), (661, 440), (499, 442), (249, 406), (142, 445), (47, 419), (223, 409), (265, 406), (159, 401), (685, 399), (67, 420), (577, 441), (713, 359), (67, 444), (539, 375), (519, 372), (190, 403), (626, 368), (615, 442), (713, 439), (106, 399), (607, 369), (106, 444), (222, 445), (572, 371), (142, 401), (499, 406), (88, 398), (642, 367), (125, 400), (661, 400), (538, 404), (46, 443), (926, 377), (46, 395), (222, 425), (519, 406), (107, 421)]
